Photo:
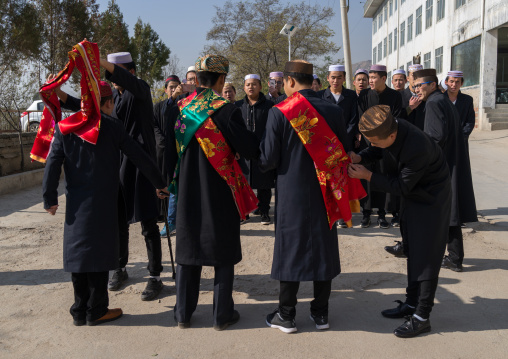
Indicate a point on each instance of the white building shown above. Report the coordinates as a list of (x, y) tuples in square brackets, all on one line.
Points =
[(466, 35)]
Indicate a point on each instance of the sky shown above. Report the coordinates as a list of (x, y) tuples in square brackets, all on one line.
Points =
[(182, 25)]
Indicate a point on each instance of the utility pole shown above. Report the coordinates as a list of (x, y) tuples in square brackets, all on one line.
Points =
[(345, 40)]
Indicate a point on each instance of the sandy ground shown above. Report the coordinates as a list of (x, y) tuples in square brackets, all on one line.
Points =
[(470, 319)]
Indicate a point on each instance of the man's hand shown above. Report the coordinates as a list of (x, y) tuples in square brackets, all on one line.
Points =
[(108, 66), (162, 193), (358, 140), (273, 92), (354, 157), (61, 95), (414, 102), (178, 91), (52, 210), (359, 171)]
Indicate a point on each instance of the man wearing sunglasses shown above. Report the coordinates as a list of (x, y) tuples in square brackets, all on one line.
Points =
[(442, 124)]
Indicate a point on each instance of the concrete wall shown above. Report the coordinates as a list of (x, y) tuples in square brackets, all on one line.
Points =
[(10, 157)]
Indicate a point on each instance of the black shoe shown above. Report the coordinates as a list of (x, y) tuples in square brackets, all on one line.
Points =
[(342, 224), (257, 212), (234, 319), (79, 322), (412, 327), (400, 312), (152, 289), (243, 221), (274, 320), (395, 221), (321, 321), (447, 263), (117, 279), (265, 219), (181, 325), (397, 250), (382, 223), (365, 222)]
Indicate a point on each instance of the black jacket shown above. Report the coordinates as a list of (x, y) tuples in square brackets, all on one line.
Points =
[(465, 107)]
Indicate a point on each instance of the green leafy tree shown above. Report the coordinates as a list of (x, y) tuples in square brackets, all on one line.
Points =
[(111, 32), (322, 70), (149, 53), (247, 33)]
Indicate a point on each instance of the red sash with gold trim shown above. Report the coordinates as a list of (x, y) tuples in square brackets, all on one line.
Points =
[(340, 192)]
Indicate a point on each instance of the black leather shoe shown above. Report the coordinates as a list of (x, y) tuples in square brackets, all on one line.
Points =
[(234, 319), (117, 279), (181, 325), (412, 327), (79, 322), (383, 223), (447, 263), (397, 250), (365, 222), (400, 312), (342, 224), (395, 221), (152, 289)]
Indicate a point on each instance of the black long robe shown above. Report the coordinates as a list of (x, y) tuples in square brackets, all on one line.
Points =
[(368, 98), (442, 124), (423, 182), (91, 242), (207, 220), (348, 102), (255, 119), (416, 116), (465, 106), (305, 248), (134, 108)]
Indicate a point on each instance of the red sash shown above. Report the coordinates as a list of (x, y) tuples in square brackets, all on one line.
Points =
[(85, 123), (340, 192)]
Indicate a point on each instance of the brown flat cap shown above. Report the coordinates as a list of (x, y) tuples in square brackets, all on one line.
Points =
[(424, 73), (299, 67), (377, 121)]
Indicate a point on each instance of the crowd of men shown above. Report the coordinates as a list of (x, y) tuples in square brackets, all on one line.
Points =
[(407, 145)]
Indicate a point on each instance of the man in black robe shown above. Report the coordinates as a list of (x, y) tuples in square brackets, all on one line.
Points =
[(377, 94), (91, 239), (410, 101), (255, 108), (137, 201), (442, 124), (361, 81), (423, 182), (463, 103), (172, 88), (208, 221), (306, 248)]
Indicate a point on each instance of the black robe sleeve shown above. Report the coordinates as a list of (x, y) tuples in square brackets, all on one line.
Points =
[(241, 140), (468, 125), (370, 155), (71, 104), (53, 170), (435, 123), (271, 142), (131, 83)]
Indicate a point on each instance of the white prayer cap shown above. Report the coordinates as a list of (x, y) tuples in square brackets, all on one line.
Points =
[(415, 67), (399, 72), (455, 74), (252, 76), (191, 68), (336, 68), (315, 76), (443, 85), (120, 58), (276, 74)]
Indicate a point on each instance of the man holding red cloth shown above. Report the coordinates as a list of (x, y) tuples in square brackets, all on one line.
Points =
[(306, 143)]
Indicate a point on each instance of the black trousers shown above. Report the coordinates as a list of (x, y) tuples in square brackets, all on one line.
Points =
[(455, 244), (188, 278), (287, 298), (264, 197), (90, 295), (421, 294), (149, 230)]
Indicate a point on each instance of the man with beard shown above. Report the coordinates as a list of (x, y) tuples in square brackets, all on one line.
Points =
[(442, 124), (423, 182), (137, 200)]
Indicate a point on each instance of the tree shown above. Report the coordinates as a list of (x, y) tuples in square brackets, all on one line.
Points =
[(111, 32), (148, 52), (172, 68), (322, 71), (247, 33)]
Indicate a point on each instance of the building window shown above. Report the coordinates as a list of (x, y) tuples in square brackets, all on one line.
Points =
[(386, 13), (374, 26), (428, 13), (440, 9), (418, 27), (402, 1), (379, 51), (384, 47), (395, 39), (466, 58), (459, 3), (374, 54), (407, 66), (410, 28), (439, 60), (402, 67), (396, 1), (390, 43), (380, 20), (426, 61), (402, 33), (391, 7), (389, 78)]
